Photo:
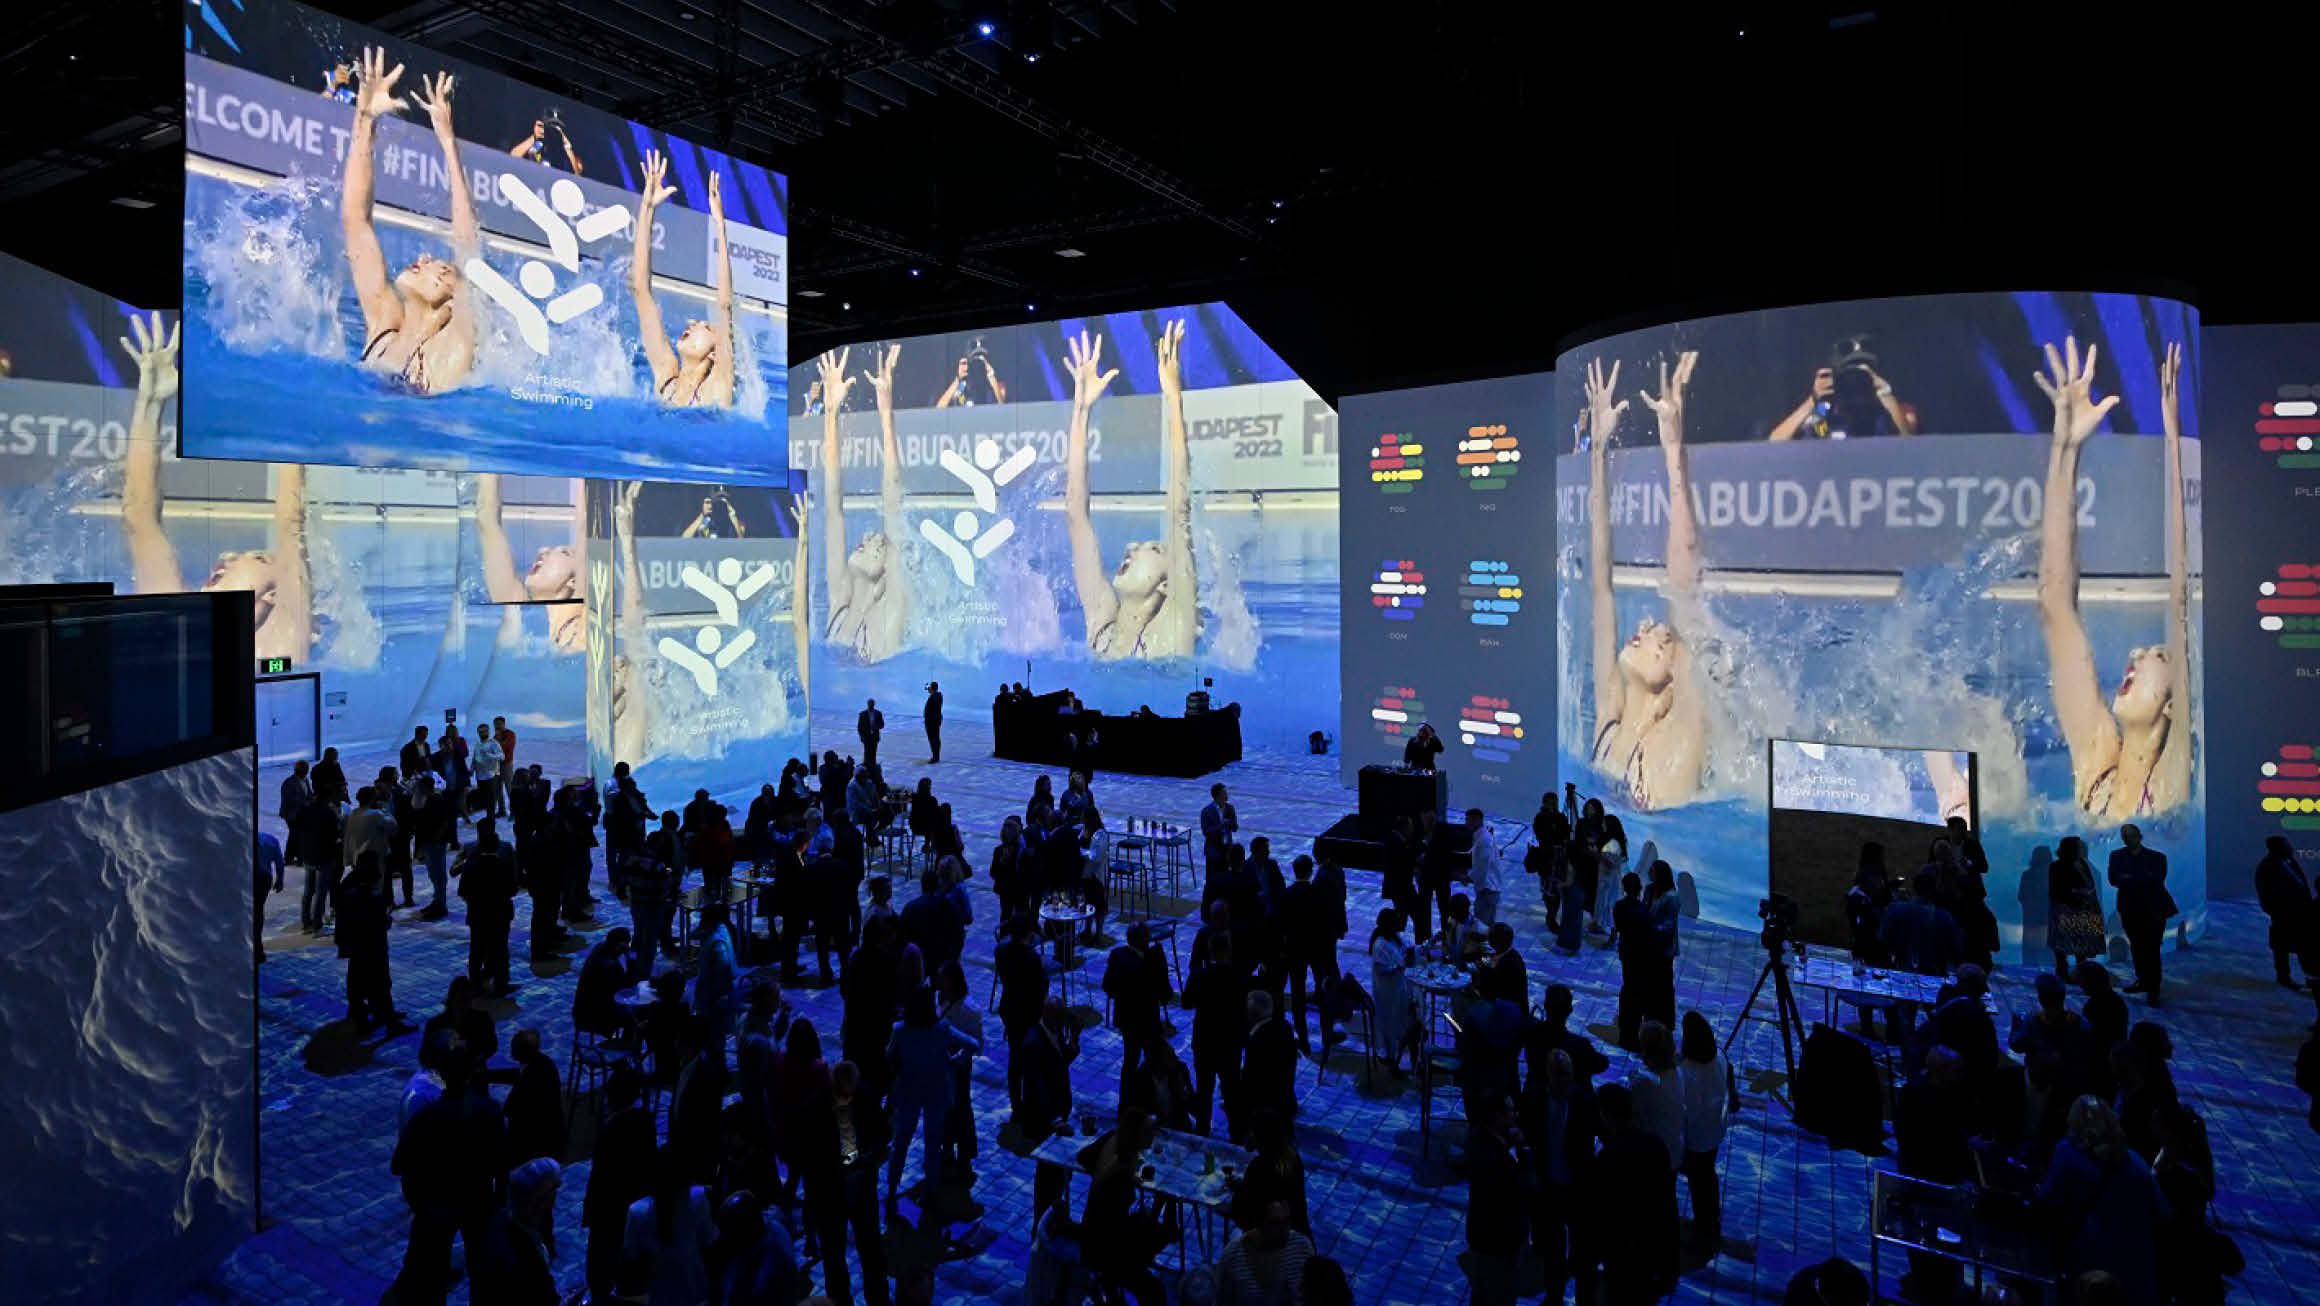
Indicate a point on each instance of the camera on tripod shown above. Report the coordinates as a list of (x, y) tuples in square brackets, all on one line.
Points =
[(1778, 913)]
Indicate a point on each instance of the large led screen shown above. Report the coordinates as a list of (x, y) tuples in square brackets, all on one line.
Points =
[(1447, 568), (1962, 523), (393, 258), (1123, 506), (2263, 437)]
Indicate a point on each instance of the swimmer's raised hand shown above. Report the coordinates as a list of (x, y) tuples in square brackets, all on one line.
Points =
[(436, 100), (1668, 404), (375, 93), (1602, 414), (835, 382), (656, 171), (2069, 382), (1171, 355), (1083, 357), (156, 358), (881, 377)]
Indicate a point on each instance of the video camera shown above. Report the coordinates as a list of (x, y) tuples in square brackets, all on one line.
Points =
[(1778, 913)]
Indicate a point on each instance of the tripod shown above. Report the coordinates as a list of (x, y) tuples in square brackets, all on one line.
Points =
[(1785, 1013)]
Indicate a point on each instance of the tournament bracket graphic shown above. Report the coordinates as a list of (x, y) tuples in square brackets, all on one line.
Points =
[(1491, 594), (2290, 787), (2289, 428), (2288, 606), (1396, 711), (1398, 589), (1397, 463), (1488, 457), (1491, 728)]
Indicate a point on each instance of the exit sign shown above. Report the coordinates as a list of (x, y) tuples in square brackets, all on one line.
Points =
[(273, 666)]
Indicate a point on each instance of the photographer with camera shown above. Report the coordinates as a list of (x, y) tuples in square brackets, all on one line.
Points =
[(1848, 399)]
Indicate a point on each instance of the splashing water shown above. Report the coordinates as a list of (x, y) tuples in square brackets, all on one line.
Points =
[(1231, 637), (285, 282)]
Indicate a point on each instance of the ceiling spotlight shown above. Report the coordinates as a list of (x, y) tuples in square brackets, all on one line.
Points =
[(914, 272), (1276, 204), (132, 202), (809, 294), (684, 15), (1031, 56), (1071, 251), (845, 305), (986, 28), (1030, 307)]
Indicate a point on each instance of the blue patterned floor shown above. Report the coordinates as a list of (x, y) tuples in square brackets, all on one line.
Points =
[(334, 1222)]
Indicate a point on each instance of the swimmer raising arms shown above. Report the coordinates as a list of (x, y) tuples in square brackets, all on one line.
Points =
[(631, 706), (2132, 756), (421, 324), (1649, 727), (276, 577), (698, 371), (1150, 607), (869, 604), (554, 573)]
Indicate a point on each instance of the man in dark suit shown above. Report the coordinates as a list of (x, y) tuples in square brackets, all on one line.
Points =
[(450, 1159), (2286, 896), (841, 1181), (1218, 992), (2140, 876), (931, 922), (1308, 941), (1136, 979), (1501, 1174), (1503, 974), (934, 721), (1269, 1067), (1022, 994), (487, 882), (1635, 1195), (868, 725), (1218, 824), (1558, 1121), (415, 754), (1046, 1054)]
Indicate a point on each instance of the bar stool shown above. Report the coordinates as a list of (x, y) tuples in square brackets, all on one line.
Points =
[(593, 1060)]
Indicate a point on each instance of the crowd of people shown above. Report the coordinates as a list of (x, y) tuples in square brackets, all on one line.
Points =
[(737, 1155)]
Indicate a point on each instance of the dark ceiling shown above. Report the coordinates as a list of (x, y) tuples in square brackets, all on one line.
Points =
[(1389, 193)]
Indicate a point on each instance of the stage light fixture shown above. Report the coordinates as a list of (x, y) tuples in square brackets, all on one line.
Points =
[(986, 28), (1030, 307), (132, 202), (914, 272), (809, 294), (1031, 56), (845, 305), (1071, 251)]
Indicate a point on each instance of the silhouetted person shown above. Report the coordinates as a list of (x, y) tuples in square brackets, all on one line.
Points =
[(2285, 894), (487, 883), (1634, 1203), (450, 1159), (363, 919), (1136, 979), (620, 1173), (535, 1103), (868, 725), (934, 718), (2140, 876)]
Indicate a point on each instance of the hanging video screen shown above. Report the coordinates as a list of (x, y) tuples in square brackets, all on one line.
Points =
[(393, 258)]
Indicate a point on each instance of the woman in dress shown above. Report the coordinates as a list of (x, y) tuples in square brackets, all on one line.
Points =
[(1708, 1096), (2074, 917), (1389, 957)]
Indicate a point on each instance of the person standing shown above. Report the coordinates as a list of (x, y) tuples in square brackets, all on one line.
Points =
[(321, 841), (868, 725), (1558, 1120), (846, 1141), (505, 735), (1389, 958), (2285, 894), (297, 793), (933, 721), (2074, 918), (433, 826), (1486, 869), (268, 879), (1708, 1093), (487, 765), (1500, 1174), (1217, 993), (449, 1158), (920, 1053), (1641, 959), (487, 882), (329, 778), (416, 757), (362, 939), (1269, 1066), (2140, 876), (535, 1103), (1218, 824), (1423, 748), (1634, 1202), (1136, 979)]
